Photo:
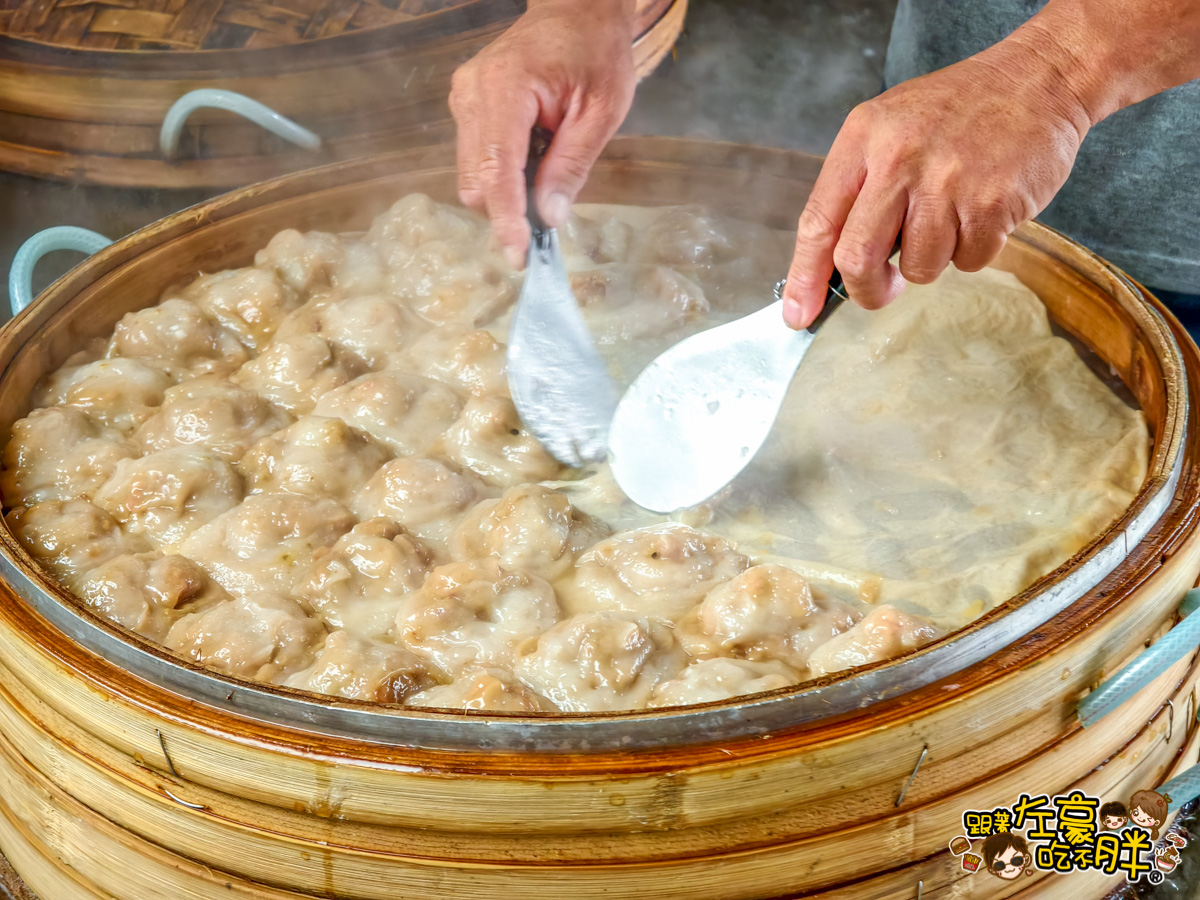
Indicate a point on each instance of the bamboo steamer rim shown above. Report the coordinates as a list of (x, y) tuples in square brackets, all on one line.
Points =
[(843, 694)]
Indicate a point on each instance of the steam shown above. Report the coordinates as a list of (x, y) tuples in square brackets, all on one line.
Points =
[(780, 74)]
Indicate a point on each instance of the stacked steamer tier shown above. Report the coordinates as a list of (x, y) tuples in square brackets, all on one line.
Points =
[(174, 782), (85, 86)]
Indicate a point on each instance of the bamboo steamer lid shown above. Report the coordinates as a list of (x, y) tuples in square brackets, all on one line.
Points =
[(84, 86)]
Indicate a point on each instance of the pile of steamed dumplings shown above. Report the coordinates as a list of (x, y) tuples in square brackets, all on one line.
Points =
[(309, 472)]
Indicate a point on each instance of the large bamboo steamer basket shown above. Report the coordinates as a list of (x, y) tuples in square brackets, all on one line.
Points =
[(728, 801), (84, 86)]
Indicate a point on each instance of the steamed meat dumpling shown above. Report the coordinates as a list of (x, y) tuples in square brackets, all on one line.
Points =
[(118, 393), (250, 303), (406, 412), (293, 373), (141, 592), (454, 283), (685, 236), (167, 495), (596, 237), (259, 636), (361, 270), (475, 614), (710, 680), (767, 612), (301, 260), (71, 537), (492, 689), (417, 219), (211, 414), (530, 528), (601, 661), (884, 633), (490, 439), (315, 456), (179, 338), (426, 496), (357, 583), (59, 453), (368, 327), (660, 570), (266, 542), (359, 669), (471, 361), (621, 303)]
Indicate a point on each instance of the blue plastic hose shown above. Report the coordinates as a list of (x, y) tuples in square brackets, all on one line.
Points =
[(60, 237), (1183, 788), (233, 102), (1177, 643)]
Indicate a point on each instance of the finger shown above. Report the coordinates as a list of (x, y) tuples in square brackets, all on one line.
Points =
[(577, 145), (864, 248), (467, 143), (978, 246), (470, 186), (817, 233), (505, 142), (929, 238)]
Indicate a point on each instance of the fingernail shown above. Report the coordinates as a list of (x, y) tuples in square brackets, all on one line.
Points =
[(555, 209), (515, 257)]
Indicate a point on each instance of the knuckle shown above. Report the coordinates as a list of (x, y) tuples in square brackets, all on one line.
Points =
[(918, 272), (815, 225), (853, 259), (991, 212), (493, 165)]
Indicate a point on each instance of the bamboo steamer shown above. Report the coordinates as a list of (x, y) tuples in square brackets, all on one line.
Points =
[(84, 86), (172, 782)]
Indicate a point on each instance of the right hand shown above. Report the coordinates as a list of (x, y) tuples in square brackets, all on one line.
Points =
[(566, 65)]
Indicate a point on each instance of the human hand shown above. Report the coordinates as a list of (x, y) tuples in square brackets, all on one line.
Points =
[(566, 65), (953, 161)]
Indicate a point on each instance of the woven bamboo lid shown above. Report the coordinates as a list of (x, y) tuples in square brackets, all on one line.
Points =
[(85, 84), (201, 24)]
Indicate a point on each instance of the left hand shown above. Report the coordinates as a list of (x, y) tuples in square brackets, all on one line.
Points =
[(954, 161)]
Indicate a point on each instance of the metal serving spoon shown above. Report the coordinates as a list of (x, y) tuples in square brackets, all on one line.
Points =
[(695, 417), (560, 386)]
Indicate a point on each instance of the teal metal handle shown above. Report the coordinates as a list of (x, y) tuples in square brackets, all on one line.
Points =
[(1183, 788), (1164, 653), (230, 101), (61, 237)]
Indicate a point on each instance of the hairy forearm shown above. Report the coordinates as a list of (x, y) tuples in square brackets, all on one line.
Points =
[(1110, 54)]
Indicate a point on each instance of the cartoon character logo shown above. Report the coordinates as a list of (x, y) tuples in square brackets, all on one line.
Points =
[(1006, 855), (1113, 816), (1149, 810)]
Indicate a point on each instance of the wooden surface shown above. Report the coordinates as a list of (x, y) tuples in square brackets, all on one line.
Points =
[(245, 809), (84, 86), (183, 25)]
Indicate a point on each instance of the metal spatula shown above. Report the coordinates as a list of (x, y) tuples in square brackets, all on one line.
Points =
[(695, 417), (560, 386)]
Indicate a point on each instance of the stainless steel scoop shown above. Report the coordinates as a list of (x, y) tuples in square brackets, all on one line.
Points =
[(695, 417), (560, 386)]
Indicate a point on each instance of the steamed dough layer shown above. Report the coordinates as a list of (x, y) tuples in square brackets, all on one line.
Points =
[(309, 472)]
